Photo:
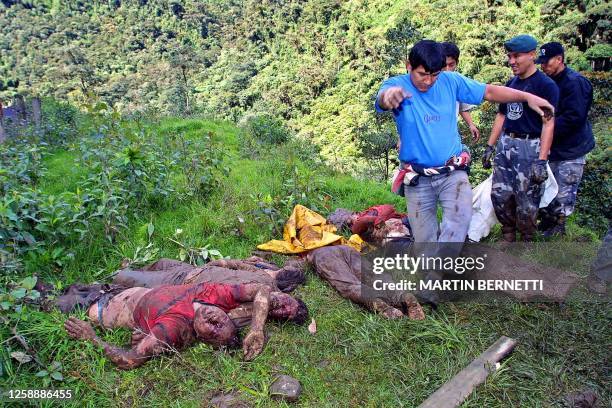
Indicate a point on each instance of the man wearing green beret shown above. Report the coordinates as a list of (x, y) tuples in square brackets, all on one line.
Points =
[(519, 167)]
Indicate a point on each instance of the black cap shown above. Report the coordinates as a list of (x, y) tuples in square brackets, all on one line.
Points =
[(549, 50)]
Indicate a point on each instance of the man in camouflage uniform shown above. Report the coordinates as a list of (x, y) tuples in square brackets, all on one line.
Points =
[(573, 136), (522, 151)]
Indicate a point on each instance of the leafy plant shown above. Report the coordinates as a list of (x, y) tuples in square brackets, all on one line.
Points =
[(15, 295), (194, 255), (201, 161), (52, 372)]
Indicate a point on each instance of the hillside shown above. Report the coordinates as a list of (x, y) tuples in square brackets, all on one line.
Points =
[(314, 63), (355, 358)]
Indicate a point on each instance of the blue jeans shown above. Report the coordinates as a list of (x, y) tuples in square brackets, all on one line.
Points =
[(454, 193)]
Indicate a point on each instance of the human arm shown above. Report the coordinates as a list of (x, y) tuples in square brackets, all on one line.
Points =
[(392, 97), (539, 173), (504, 94), (467, 117), (546, 138), (496, 130), (260, 295), (125, 359), (574, 108)]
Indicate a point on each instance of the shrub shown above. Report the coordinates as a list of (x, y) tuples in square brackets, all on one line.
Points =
[(262, 129)]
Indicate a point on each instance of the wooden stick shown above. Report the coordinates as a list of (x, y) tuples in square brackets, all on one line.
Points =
[(458, 388)]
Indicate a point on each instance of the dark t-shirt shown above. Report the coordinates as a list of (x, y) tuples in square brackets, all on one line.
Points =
[(520, 118)]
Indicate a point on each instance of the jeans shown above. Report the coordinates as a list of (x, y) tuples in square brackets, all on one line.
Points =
[(454, 194)]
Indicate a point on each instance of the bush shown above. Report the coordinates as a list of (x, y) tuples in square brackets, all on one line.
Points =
[(263, 129)]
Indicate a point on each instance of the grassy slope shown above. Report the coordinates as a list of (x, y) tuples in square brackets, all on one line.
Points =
[(355, 359)]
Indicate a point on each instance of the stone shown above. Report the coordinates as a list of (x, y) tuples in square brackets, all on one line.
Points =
[(231, 400), (287, 388)]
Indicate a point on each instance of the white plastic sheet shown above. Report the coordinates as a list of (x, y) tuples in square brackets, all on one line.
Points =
[(483, 214)]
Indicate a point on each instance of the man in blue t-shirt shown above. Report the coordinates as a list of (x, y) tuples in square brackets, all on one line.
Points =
[(519, 168), (424, 107)]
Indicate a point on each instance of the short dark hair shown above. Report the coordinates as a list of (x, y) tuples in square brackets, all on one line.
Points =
[(428, 54), (288, 278), (451, 50), (301, 316)]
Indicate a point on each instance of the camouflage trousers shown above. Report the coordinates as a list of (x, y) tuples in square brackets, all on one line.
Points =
[(516, 198), (568, 174)]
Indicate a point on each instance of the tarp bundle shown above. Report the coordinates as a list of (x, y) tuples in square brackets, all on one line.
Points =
[(483, 216), (306, 230)]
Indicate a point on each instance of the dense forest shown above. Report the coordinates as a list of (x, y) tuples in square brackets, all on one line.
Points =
[(314, 63)]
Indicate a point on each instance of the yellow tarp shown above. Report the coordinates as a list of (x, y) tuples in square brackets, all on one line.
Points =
[(306, 230)]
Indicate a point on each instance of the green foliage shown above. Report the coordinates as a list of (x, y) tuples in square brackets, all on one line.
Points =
[(313, 63), (197, 256), (599, 51), (378, 143), (123, 173), (259, 132), (15, 295), (200, 159)]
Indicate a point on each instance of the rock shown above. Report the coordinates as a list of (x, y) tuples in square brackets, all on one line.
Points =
[(581, 399), (287, 388), (231, 400)]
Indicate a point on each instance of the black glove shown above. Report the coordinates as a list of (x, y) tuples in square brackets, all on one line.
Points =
[(539, 174), (486, 157)]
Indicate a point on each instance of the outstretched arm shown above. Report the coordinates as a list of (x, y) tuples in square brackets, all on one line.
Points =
[(260, 295), (503, 94), (392, 98), (125, 359)]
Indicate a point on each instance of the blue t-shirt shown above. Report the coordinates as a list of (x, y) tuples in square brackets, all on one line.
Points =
[(520, 118), (427, 122)]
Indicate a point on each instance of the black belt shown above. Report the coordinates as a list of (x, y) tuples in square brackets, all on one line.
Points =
[(523, 135)]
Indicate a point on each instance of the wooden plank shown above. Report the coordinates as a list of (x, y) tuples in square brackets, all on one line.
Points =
[(457, 389)]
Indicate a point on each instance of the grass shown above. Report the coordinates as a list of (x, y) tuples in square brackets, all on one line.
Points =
[(355, 358)]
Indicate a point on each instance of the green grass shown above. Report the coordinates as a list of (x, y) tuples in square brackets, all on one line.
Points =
[(355, 358)]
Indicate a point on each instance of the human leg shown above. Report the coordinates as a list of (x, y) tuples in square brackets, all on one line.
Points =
[(528, 193), (455, 196), (568, 174), (421, 202), (502, 190)]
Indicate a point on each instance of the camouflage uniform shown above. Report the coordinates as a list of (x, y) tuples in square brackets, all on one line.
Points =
[(568, 174), (516, 198)]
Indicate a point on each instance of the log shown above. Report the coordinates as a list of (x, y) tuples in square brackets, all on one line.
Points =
[(458, 388)]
